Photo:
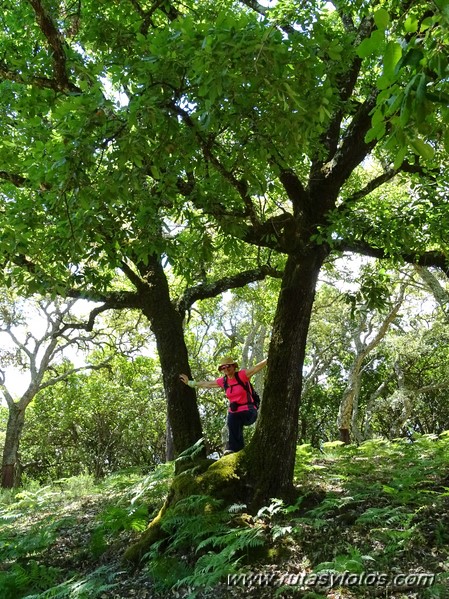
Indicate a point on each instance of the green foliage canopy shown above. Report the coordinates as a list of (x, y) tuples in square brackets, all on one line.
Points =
[(121, 120)]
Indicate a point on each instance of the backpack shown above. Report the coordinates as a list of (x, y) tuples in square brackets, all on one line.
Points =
[(253, 396)]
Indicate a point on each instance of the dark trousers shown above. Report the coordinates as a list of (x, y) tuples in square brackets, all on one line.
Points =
[(236, 422)]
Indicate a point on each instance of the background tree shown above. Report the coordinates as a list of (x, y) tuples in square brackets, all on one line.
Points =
[(388, 402), (38, 354), (366, 335), (104, 205), (415, 399), (97, 422), (327, 361)]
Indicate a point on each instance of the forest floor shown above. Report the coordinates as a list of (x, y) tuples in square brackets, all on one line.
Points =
[(370, 521)]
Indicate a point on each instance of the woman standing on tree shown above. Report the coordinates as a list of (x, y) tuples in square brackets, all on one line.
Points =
[(236, 383)]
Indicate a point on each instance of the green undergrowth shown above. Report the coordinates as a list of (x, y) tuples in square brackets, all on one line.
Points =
[(364, 515), (54, 538)]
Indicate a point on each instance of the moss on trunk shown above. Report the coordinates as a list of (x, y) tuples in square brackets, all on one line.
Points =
[(224, 479)]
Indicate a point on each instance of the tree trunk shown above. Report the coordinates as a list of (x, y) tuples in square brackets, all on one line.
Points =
[(10, 473), (166, 324), (347, 406), (271, 453), (349, 402)]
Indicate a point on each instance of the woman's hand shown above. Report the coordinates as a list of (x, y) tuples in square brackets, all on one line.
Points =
[(184, 378)]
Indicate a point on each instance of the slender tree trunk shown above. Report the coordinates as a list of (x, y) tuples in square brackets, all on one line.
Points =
[(351, 395), (348, 402), (367, 430), (167, 326), (10, 472), (253, 352), (271, 453)]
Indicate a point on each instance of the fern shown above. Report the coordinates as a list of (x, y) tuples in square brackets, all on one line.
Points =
[(330, 505), (39, 538), (191, 453), (394, 541), (353, 561), (193, 519), (390, 516), (20, 579), (212, 567), (130, 511), (154, 487), (91, 586), (42, 497), (113, 520), (116, 518), (275, 507), (200, 523)]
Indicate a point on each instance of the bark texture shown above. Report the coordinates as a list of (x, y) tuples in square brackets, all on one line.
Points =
[(167, 325), (270, 473), (16, 420)]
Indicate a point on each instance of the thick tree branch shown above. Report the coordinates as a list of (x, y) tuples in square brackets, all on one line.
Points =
[(8, 74), (56, 43), (6, 394), (369, 187), (256, 7), (13, 178), (132, 276), (294, 189), (85, 326), (206, 290), (265, 12), (431, 281), (67, 373), (329, 178), (386, 176), (354, 148), (119, 300), (436, 259), (345, 84), (274, 233)]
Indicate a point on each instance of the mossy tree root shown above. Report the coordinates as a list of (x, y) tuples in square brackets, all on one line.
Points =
[(225, 479)]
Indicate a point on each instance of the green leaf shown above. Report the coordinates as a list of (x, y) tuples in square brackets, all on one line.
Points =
[(412, 58), (370, 45), (155, 172), (399, 158), (443, 5), (411, 24), (422, 148), (376, 132), (426, 23), (382, 19), (421, 88), (392, 56)]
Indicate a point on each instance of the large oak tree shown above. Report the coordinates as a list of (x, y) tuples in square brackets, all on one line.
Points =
[(133, 129)]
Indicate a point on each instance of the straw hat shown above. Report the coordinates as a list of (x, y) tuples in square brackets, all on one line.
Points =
[(227, 360)]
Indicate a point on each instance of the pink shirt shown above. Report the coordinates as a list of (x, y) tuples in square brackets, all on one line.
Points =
[(236, 392)]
